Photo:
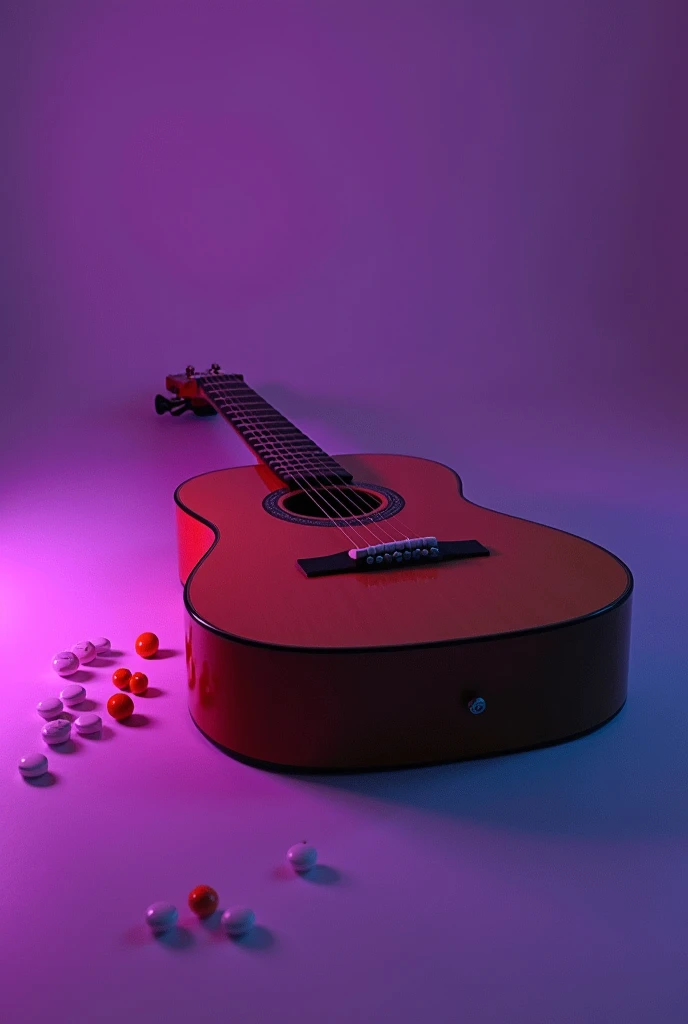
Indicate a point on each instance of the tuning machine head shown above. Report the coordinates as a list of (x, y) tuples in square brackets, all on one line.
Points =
[(175, 406), (187, 395)]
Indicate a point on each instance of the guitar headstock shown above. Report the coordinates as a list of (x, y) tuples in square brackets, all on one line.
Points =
[(188, 395)]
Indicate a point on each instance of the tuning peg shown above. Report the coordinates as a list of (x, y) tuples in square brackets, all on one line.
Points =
[(176, 407), (182, 406), (162, 404)]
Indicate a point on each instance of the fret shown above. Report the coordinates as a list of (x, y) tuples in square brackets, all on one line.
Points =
[(285, 437), (275, 420), (285, 449), (249, 407), (296, 465), (282, 442), (292, 446), (312, 461)]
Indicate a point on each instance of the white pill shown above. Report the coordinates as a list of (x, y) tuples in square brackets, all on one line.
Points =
[(85, 651), (238, 920), (101, 644), (49, 708), (88, 723), (33, 765), (73, 694), (65, 662), (57, 731), (161, 917), (302, 857)]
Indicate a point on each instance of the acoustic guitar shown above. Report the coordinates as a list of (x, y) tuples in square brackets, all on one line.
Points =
[(358, 612)]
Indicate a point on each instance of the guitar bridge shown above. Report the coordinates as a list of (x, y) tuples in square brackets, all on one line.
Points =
[(407, 554)]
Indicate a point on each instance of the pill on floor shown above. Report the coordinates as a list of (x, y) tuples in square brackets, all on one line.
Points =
[(49, 708), (57, 731), (120, 706), (65, 663), (85, 651), (203, 900), (161, 917), (147, 645), (73, 694), (302, 857), (88, 723), (33, 765), (238, 920)]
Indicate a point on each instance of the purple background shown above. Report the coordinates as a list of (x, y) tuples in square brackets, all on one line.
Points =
[(455, 230)]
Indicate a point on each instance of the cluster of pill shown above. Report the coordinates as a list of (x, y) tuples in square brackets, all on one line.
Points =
[(66, 663), (120, 706), (204, 901), (56, 729)]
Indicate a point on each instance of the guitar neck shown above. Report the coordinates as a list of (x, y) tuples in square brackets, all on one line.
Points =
[(288, 452)]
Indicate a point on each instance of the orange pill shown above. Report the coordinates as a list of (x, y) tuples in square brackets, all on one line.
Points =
[(120, 706), (147, 645), (121, 678), (138, 683), (203, 900)]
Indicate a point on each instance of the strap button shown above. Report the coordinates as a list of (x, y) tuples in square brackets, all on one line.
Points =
[(476, 706)]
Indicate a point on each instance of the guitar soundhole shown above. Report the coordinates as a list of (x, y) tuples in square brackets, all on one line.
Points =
[(337, 501), (332, 506)]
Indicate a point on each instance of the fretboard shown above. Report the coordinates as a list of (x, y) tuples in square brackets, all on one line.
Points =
[(288, 452)]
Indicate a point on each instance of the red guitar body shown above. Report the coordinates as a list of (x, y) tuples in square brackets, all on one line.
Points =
[(378, 669)]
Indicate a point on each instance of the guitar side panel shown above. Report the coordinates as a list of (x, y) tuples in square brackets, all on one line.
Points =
[(321, 711), (194, 539)]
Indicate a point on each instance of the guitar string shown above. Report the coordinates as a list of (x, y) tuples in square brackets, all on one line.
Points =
[(300, 479), (299, 476), (259, 429), (392, 523), (349, 494)]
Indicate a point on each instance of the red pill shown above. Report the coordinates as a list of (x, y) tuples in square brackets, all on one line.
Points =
[(203, 900), (121, 678), (138, 683), (147, 645), (120, 706)]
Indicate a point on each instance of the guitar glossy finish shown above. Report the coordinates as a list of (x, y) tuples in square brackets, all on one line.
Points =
[(376, 670)]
